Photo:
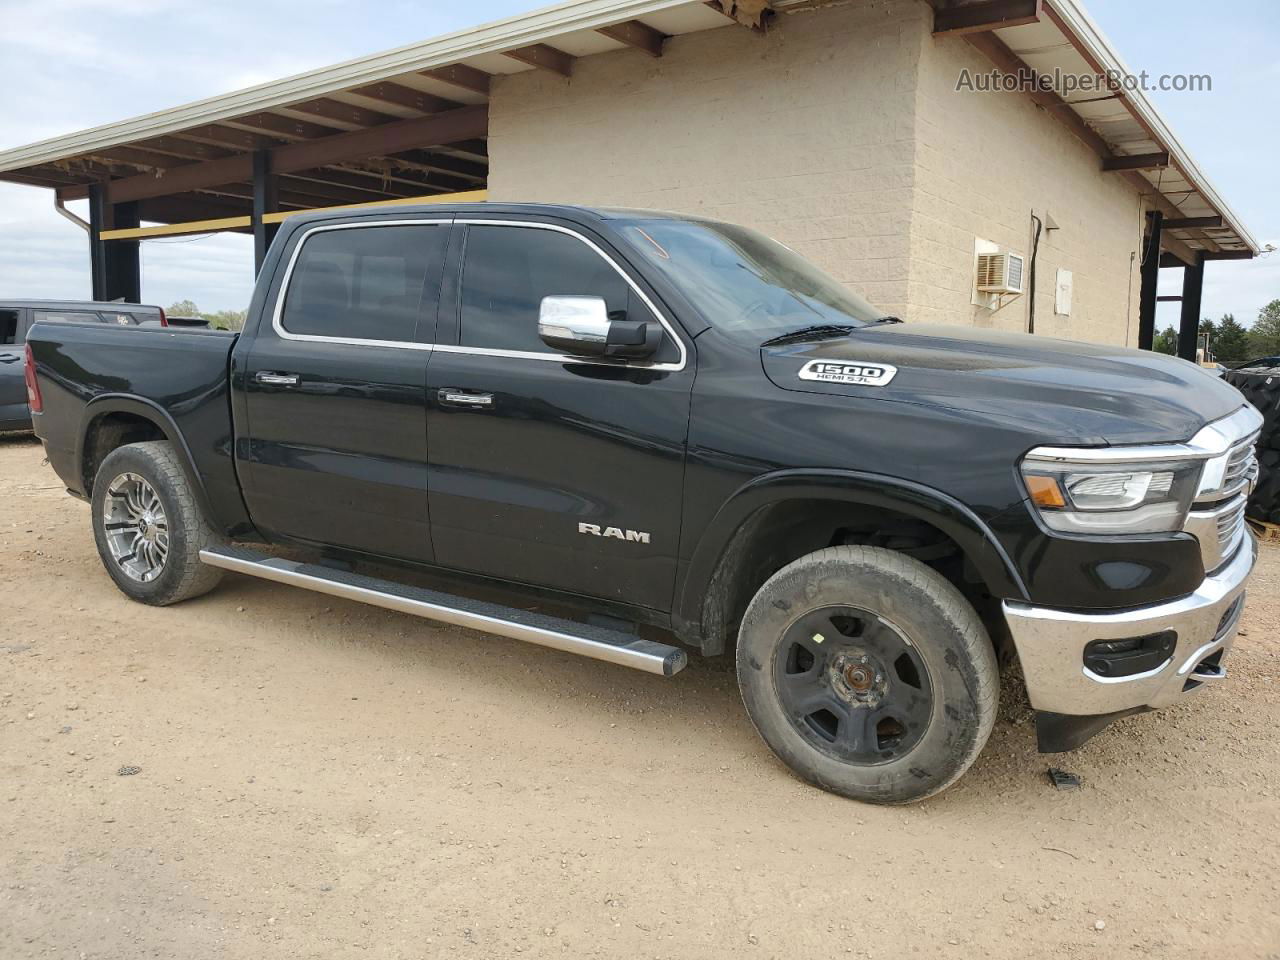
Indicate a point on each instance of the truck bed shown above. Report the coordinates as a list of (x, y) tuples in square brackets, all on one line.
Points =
[(89, 372)]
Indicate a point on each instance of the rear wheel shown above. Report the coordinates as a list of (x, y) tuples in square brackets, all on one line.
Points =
[(148, 526), (868, 674)]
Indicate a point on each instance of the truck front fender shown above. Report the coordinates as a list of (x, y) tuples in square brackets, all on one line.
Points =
[(707, 600)]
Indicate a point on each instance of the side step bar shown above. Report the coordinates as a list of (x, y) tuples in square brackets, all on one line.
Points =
[(568, 635)]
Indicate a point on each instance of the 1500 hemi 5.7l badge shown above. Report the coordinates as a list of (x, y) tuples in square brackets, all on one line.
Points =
[(848, 371)]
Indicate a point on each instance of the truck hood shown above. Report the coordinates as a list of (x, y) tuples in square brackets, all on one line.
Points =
[(1063, 391)]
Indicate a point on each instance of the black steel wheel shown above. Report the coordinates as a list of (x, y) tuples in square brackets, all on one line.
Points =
[(853, 684), (868, 674)]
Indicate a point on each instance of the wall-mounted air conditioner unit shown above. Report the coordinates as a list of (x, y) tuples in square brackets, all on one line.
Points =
[(1000, 273)]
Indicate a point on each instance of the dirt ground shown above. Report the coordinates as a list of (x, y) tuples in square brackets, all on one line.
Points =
[(317, 778)]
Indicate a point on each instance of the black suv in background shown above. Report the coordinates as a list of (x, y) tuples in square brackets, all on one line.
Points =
[(16, 318)]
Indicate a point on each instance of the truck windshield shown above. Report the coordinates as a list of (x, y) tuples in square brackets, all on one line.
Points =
[(742, 282)]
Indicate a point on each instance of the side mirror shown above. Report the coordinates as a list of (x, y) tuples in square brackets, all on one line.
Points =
[(581, 326)]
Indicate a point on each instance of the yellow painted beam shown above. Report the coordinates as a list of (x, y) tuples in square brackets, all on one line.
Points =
[(467, 196), (239, 223), (177, 229)]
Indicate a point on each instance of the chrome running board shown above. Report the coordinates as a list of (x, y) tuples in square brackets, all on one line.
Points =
[(570, 636)]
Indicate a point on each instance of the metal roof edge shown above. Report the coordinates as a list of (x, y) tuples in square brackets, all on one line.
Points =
[(1092, 36), (495, 37)]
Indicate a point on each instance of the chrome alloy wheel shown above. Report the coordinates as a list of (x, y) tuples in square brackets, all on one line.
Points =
[(136, 527)]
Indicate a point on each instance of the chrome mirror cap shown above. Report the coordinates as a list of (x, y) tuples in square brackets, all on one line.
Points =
[(574, 324)]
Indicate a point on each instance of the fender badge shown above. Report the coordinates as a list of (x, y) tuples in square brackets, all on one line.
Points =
[(841, 371)]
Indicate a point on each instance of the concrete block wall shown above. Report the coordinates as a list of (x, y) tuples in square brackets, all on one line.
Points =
[(806, 133), (840, 133), (984, 163)]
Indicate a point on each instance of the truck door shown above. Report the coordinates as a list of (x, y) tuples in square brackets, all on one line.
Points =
[(13, 387), (545, 468), (334, 447)]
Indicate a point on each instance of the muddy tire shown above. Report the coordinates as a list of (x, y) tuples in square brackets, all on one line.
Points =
[(148, 525), (868, 674)]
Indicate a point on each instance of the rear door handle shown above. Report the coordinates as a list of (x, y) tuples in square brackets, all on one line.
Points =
[(276, 379), (464, 398)]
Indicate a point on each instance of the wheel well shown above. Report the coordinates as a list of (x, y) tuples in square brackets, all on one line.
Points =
[(779, 533), (108, 432)]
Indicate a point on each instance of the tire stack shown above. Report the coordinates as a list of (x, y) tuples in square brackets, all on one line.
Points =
[(1260, 384)]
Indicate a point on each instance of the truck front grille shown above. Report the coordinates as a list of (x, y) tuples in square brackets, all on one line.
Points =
[(1242, 464), (1217, 517)]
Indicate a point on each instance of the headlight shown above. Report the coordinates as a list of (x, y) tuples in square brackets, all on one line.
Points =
[(1110, 498)]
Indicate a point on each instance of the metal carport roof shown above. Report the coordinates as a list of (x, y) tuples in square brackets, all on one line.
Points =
[(412, 121)]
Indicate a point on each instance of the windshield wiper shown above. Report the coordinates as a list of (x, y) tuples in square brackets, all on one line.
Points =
[(819, 331), (887, 319)]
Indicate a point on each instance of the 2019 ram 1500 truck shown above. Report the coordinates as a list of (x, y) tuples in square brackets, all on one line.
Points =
[(662, 421)]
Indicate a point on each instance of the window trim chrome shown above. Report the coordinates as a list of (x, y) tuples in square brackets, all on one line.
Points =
[(277, 322), (566, 357)]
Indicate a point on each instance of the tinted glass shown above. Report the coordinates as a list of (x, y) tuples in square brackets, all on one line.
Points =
[(8, 326), (123, 319), (509, 270), (366, 283), (63, 315), (743, 282)]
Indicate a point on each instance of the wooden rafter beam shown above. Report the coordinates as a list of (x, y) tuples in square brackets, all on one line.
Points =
[(985, 15), (134, 156), (183, 148), (1188, 223), (391, 182), (1229, 255), (1006, 60), (221, 135), (291, 127), (474, 148), (636, 34), (329, 109), (332, 190), (35, 179), (1140, 161), (456, 166), (544, 57), (462, 76), (749, 13), (391, 138), (402, 96)]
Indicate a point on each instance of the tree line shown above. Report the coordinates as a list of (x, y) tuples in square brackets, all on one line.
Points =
[(1229, 340)]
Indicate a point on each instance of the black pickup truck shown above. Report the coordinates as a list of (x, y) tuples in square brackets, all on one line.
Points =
[(679, 434)]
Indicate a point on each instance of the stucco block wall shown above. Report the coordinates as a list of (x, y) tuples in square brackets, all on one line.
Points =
[(840, 133), (984, 163), (806, 133)]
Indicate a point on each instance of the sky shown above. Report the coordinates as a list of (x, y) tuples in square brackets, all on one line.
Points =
[(86, 62)]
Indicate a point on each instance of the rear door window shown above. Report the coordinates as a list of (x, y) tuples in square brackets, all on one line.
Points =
[(376, 283)]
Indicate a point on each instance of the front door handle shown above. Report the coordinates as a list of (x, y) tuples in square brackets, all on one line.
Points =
[(464, 398), (276, 379)]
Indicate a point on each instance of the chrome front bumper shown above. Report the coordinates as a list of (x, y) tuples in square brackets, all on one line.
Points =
[(1050, 645)]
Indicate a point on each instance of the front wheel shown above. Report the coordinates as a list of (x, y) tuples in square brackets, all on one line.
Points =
[(868, 674), (148, 526)]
